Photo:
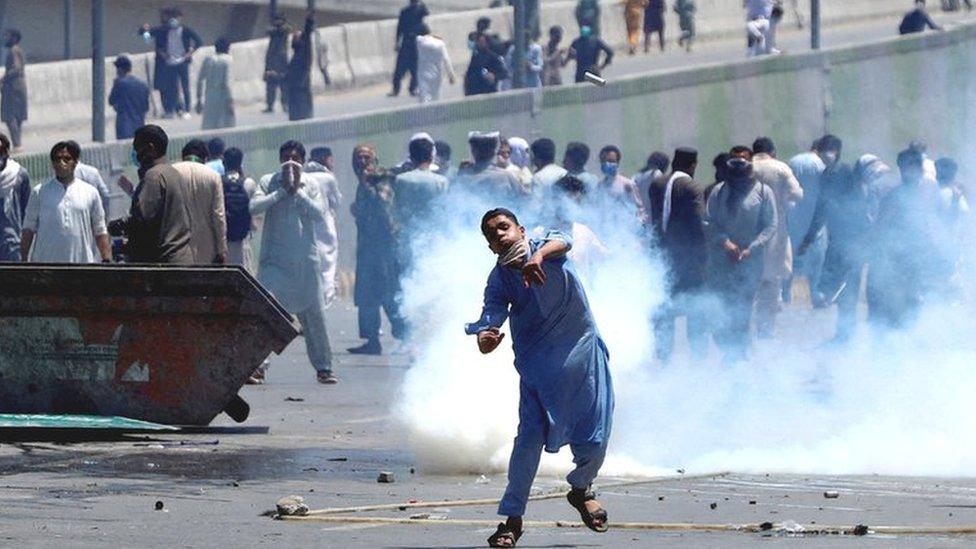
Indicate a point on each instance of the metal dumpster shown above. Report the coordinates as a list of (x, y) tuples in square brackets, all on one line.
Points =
[(156, 343)]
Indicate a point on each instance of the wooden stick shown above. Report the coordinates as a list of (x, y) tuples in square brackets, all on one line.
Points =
[(494, 501)]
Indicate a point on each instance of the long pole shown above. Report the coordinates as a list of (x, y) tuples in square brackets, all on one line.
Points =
[(815, 24), (518, 79), (98, 71), (68, 16)]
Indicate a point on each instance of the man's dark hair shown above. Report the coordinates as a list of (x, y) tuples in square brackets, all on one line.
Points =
[(319, 154), (222, 45), (216, 147), (15, 35), (74, 151), (483, 24), (763, 145), (483, 148), (578, 153), (829, 142), (234, 160), (153, 134), (421, 151), (544, 150), (910, 158), (492, 214), (172, 11), (720, 163), (657, 161), (571, 185), (739, 149), (611, 149), (290, 145), (197, 148), (443, 149), (4, 142), (946, 169)]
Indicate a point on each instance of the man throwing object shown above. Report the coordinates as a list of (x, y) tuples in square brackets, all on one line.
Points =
[(566, 395)]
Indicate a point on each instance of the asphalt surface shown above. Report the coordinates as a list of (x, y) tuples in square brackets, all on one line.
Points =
[(373, 98), (329, 443)]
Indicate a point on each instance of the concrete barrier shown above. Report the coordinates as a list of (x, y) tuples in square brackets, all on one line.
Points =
[(362, 53), (877, 97)]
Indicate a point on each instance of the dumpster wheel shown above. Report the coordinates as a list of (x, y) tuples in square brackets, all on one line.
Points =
[(238, 409)]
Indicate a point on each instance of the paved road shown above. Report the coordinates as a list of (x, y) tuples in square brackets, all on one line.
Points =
[(373, 98), (330, 446)]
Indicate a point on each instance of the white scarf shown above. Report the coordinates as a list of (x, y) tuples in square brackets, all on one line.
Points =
[(666, 214), (8, 177)]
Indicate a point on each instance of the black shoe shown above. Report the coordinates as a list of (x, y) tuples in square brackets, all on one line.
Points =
[(371, 347)]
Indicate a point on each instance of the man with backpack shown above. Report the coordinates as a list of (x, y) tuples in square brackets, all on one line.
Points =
[(238, 190)]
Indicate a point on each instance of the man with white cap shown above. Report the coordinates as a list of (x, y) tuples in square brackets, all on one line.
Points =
[(484, 177)]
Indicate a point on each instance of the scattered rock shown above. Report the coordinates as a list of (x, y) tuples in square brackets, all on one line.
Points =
[(482, 480), (235, 484), (159, 505), (294, 399), (831, 494), (338, 459), (713, 506), (766, 526), (660, 498), (420, 516), (752, 502), (402, 508), (292, 506), (310, 469), (861, 530), (385, 477), (412, 470)]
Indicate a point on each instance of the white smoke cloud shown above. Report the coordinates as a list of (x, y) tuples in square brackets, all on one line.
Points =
[(899, 403)]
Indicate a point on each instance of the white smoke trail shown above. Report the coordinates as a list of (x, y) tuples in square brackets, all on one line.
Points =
[(896, 404)]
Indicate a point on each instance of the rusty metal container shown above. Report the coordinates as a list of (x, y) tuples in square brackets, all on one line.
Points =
[(163, 344)]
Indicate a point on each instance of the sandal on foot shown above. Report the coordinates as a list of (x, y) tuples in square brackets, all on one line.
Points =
[(504, 536), (577, 498)]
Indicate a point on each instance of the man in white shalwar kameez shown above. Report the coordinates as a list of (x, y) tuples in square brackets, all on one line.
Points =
[(433, 61), (293, 203), (319, 166)]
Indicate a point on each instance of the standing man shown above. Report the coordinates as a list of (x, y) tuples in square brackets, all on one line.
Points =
[(677, 215), (217, 105), (574, 160), (414, 193), (376, 273), (65, 220), (432, 62), (808, 168), (276, 63), (130, 99), (586, 51), (205, 200), (238, 190), (566, 393), (654, 22), (215, 153), (88, 174), (158, 225), (408, 28), (175, 45), (588, 15), (298, 77), (686, 22), (15, 191), (547, 172), (778, 268), (633, 14), (618, 188), (320, 166), (486, 69), (740, 218), (289, 267), (13, 88), (484, 178)]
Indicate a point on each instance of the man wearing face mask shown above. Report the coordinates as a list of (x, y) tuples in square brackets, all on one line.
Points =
[(158, 225), (621, 190), (290, 268), (740, 220), (15, 191), (175, 45), (586, 51)]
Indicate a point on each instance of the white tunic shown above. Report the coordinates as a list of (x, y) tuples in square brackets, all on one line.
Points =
[(432, 62), (65, 221)]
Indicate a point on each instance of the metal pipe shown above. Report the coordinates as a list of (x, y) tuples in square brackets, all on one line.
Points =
[(815, 24), (518, 78), (98, 71), (68, 16)]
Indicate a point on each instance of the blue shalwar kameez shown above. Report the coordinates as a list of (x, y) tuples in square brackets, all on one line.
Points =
[(566, 394)]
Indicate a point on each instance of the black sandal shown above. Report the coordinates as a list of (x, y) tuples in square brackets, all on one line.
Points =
[(577, 498), (504, 533)]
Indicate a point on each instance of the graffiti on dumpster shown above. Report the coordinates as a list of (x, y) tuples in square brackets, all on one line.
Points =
[(56, 349)]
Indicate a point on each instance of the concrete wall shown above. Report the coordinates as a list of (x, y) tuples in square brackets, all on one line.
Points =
[(361, 53), (876, 97)]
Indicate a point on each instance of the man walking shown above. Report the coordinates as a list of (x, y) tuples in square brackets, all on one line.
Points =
[(408, 28), (289, 266), (677, 211), (565, 392), (276, 63), (217, 105), (158, 225), (13, 88), (432, 62), (485, 70), (586, 51), (205, 199), (298, 77), (130, 99), (65, 222)]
